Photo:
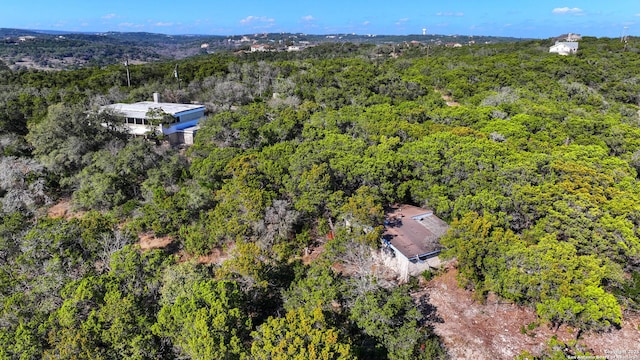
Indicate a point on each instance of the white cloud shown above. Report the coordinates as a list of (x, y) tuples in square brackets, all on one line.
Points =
[(308, 18), (248, 19), (402, 21), (109, 16), (366, 23), (130, 25), (567, 10), (449, 13), (164, 24), (256, 19)]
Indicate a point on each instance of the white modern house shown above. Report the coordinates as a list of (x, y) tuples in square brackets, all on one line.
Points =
[(178, 122), (564, 47)]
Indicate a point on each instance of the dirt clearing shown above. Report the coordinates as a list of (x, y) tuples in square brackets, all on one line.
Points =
[(471, 330), (149, 241), (63, 209)]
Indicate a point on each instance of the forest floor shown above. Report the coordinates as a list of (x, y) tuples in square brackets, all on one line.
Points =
[(216, 256), (494, 329), (448, 99), (63, 209), (312, 253), (149, 241)]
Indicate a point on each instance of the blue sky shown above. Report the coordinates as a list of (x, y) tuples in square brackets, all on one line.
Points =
[(518, 18)]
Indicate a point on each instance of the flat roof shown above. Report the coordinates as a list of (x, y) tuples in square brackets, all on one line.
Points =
[(414, 231), (139, 110), (569, 44)]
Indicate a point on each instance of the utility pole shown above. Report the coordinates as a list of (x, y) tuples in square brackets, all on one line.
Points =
[(126, 65), (175, 73)]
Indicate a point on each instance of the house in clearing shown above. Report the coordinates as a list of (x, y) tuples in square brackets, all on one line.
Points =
[(412, 236), (564, 47), (179, 122)]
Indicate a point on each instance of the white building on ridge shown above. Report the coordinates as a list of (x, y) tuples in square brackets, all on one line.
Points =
[(564, 47)]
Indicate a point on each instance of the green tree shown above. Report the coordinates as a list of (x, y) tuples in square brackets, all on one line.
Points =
[(66, 138), (301, 335), (391, 317), (115, 175), (206, 323)]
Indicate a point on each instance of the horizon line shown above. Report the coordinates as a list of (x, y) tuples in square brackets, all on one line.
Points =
[(52, 31)]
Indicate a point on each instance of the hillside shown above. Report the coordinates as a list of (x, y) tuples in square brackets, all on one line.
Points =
[(264, 237), (43, 49)]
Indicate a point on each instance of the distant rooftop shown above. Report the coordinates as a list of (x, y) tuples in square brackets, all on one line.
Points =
[(570, 44)]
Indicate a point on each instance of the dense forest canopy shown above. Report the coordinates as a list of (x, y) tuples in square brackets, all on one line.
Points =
[(532, 157)]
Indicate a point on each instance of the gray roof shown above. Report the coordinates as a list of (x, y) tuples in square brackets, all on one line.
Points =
[(140, 109), (414, 231)]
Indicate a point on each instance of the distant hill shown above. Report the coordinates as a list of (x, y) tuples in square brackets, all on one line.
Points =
[(52, 49), (4, 32), (68, 50)]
